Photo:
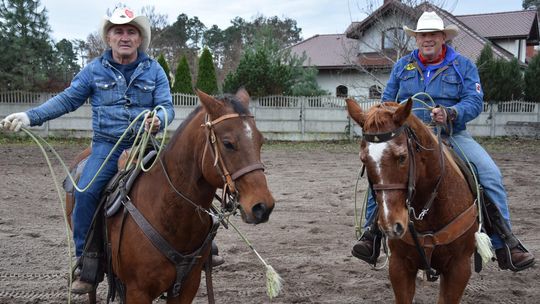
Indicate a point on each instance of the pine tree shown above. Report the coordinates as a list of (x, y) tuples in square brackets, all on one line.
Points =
[(532, 80), (206, 76), (161, 60), (26, 51), (182, 78), (486, 66)]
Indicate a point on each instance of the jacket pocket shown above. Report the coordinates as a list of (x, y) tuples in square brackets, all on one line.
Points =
[(105, 91), (408, 85), (451, 86), (144, 92)]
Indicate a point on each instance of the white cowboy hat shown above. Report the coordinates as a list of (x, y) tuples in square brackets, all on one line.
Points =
[(431, 22), (124, 15)]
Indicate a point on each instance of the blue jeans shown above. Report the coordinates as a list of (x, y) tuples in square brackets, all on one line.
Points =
[(87, 201), (489, 176)]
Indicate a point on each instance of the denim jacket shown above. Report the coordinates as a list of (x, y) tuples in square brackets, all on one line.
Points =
[(454, 84), (115, 103)]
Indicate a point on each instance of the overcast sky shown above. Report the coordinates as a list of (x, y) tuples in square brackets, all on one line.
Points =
[(76, 19)]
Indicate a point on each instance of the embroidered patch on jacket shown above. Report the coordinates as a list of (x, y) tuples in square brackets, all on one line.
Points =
[(409, 67), (478, 88)]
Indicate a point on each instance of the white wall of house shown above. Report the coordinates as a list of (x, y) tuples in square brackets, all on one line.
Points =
[(357, 83), (517, 47)]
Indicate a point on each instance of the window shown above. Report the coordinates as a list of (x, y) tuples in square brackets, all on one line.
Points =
[(342, 91), (375, 92), (393, 38)]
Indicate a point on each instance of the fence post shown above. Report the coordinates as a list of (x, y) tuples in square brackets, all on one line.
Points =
[(302, 101), (492, 114)]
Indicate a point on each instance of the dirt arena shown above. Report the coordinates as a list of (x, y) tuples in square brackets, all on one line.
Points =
[(307, 240)]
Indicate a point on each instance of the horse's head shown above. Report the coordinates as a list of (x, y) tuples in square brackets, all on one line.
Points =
[(384, 153), (233, 154)]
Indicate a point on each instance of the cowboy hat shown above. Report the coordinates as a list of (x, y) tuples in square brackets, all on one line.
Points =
[(431, 22), (124, 15)]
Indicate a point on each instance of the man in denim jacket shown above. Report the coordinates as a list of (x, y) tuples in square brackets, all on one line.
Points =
[(120, 84), (453, 82)]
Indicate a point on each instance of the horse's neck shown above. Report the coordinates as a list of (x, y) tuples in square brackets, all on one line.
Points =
[(453, 194), (183, 160)]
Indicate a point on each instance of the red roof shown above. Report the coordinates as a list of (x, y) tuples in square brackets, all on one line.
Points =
[(327, 51)]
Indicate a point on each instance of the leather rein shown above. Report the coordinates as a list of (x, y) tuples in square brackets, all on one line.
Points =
[(424, 242)]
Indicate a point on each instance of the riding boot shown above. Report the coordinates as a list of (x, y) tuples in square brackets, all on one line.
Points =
[(513, 255), (79, 286), (217, 260), (368, 247), (89, 270)]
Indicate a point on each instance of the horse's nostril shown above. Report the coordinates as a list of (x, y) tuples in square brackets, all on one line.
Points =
[(398, 229), (260, 212)]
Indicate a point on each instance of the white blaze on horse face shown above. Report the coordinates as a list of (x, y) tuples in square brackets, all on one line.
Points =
[(376, 152), (248, 130)]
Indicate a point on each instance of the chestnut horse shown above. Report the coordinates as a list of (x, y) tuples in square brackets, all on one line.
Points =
[(218, 145), (426, 208)]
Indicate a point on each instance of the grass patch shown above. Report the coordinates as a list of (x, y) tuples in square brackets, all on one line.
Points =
[(25, 140)]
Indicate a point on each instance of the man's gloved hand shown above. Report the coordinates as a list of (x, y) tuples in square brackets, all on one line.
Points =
[(15, 121), (148, 119)]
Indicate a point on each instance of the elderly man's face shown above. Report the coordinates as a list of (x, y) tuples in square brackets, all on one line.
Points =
[(124, 41), (430, 44)]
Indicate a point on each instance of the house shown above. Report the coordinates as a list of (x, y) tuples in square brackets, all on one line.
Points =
[(358, 62)]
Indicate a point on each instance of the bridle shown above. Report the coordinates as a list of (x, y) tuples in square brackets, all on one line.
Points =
[(229, 198), (413, 146)]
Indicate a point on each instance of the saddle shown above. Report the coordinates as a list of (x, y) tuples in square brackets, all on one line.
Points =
[(117, 188)]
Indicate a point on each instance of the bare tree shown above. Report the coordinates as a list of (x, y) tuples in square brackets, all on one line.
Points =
[(158, 22)]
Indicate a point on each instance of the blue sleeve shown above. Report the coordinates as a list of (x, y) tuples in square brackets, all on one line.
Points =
[(162, 97), (392, 86), (67, 101), (471, 98)]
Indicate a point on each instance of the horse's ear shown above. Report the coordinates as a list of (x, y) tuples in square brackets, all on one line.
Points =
[(211, 104), (243, 96), (355, 111), (403, 111)]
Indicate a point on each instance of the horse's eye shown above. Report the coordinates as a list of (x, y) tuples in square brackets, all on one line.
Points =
[(402, 158), (228, 145)]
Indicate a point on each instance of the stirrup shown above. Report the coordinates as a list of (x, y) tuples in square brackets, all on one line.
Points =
[(372, 259), (505, 262)]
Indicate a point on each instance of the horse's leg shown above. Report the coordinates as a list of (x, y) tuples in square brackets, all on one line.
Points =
[(403, 279), (454, 280), (136, 296)]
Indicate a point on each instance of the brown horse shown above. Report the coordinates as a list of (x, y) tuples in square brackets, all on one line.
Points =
[(426, 209), (218, 145)]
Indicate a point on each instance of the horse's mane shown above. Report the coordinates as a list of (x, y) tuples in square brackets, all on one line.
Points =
[(379, 116), (230, 99)]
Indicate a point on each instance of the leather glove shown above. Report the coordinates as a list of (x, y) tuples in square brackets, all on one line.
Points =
[(148, 122), (14, 122)]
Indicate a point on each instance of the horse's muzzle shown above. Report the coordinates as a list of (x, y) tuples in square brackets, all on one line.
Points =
[(260, 213), (397, 231)]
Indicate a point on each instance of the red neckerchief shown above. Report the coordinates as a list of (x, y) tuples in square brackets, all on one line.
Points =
[(440, 58)]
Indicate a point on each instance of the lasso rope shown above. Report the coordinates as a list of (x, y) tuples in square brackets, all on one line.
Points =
[(273, 280), (41, 142)]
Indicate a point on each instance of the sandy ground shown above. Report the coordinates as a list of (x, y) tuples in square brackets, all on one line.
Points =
[(307, 240)]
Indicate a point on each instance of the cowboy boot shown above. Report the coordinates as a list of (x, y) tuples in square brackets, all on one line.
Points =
[(368, 246), (217, 260), (513, 255), (79, 286)]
